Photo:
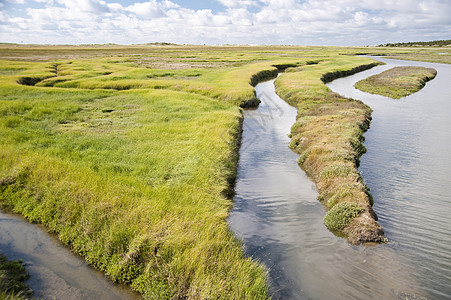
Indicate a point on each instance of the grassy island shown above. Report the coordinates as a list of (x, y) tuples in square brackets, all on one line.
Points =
[(129, 154), (397, 82), (328, 135)]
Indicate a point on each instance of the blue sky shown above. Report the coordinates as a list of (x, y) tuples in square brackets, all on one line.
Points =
[(300, 22), (215, 6)]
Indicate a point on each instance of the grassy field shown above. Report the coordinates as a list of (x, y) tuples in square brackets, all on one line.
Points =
[(138, 179), (129, 154), (397, 82)]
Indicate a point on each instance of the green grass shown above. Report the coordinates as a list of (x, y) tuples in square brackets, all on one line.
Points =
[(13, 277), (136, 181), (132, 165), (341, 214), (129, 154), (397, 82)]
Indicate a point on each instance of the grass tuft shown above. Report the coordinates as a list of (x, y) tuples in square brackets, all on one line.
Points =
[(340, 215)]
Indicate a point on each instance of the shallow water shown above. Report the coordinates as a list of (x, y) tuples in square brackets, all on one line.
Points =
[(56, 273), (277, 215)]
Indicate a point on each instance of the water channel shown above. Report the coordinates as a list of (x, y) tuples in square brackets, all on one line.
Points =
[(55, 272), (407, 167)]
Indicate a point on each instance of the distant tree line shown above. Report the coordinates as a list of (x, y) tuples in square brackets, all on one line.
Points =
[(439, 43)]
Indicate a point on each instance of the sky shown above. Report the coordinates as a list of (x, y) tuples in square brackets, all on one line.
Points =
[(268, 22)]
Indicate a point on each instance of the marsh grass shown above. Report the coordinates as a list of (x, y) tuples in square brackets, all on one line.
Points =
[(163, 159), (13, 277), (341, 214), (397, 82), (129, 154), (136, 181), (133, 167)]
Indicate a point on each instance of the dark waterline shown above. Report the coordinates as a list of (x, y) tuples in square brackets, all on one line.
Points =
[(278, 217), (56, 273)]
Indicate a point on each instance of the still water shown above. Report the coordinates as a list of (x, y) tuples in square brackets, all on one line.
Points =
[(407, 167), (56, 273)]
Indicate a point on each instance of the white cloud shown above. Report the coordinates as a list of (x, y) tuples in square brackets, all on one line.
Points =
[(115, 6), (337, 22), (89, 6), (277, 4), (238, 3), (361, 18), (150, 9)]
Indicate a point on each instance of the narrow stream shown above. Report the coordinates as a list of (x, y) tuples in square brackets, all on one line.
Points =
[(279, 219), (56, 273)]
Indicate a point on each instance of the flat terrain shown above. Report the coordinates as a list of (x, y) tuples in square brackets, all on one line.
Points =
[(129, 154), (397, 82)]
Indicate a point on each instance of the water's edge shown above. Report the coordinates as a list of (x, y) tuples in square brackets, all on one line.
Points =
[(55, 271)]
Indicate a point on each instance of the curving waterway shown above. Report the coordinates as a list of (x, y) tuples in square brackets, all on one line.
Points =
[(55, 272), (407, 167)]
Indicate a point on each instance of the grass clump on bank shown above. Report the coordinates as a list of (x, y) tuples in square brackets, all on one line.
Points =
[(13, 277), (328, 135), (397, 82), (341, 214)]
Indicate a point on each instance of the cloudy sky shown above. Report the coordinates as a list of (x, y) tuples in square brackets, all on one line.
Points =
[(300, 22)]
